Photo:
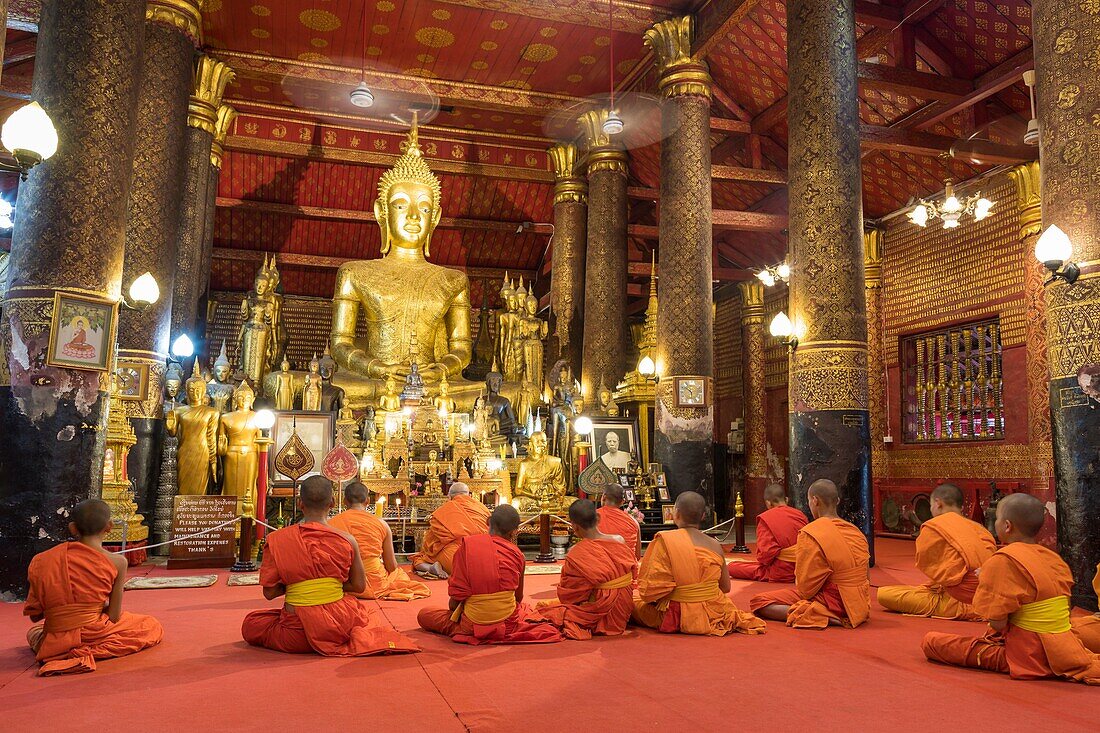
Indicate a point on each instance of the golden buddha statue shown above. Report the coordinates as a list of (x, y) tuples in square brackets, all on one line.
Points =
[(276, 347), (284, 387), (534, 332), (237, 436), (402, 293), (391, 400), (541, 477), (508, 324), (219, 387), (258, 311), (196, 426), (434, 473), (311, 392), (444, 404)]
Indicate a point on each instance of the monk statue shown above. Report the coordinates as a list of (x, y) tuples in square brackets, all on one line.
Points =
[(258, 310), (332, 397), (403, 294), (237, 436), (196, 426), (540, 477), (220, 388), (370, 428), (311, 392), (391, 400)]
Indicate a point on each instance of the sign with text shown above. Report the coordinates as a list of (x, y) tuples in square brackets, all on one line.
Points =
[(194, 514)]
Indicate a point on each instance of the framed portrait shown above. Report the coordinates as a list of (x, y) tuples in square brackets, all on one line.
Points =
[(133, 381), (82, 332), (661, 480), (691, 391), (628, 495), (666, 513), (662, 493), (316, 429), (614, 440)]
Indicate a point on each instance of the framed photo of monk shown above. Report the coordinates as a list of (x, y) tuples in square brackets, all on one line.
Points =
[(614, 441), (133, 381), (82, 332), (316, 429), (666, 513)]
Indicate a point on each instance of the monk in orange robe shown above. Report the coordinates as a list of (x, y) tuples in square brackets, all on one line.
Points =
[(683, 582), (76, 588), (486, 589), (1087, 628), (830, 571), (613, 520), (317, 568), (950, 549), (460, 517), (776, 534), (1024, 591), (385, 581), (595, 593)]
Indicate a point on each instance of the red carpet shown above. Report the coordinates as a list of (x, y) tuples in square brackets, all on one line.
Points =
[(204, 678)]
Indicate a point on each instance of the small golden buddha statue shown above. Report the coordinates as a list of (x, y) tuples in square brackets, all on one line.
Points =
[(434, 473), (219, 388), (540, 477), (402, 293), (311, 393), (535, 331), (284, 387), (237, 436), (196, 426), (258, 311), (276, 349), (444, 404), (391, 400)]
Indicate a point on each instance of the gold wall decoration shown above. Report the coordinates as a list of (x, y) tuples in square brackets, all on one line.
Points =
[(226, 115), (569, 187), (210, 78), (829, 375), (680, 74)]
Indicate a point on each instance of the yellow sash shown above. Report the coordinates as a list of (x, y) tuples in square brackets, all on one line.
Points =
[(788, 554), (315, 592), (623, 581), (71, 616), (372, 564), (486, 609), (707, 590), (1043, 617)]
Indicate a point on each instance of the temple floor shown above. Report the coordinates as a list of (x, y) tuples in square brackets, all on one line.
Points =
[(204, 677)]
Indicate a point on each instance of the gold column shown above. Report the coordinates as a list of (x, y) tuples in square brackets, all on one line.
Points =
[(754, 387), (567, 271), (605, 330), (830, 435), (873, 246), (685, 322), (68, 238), (1066, 35), (209, 81)]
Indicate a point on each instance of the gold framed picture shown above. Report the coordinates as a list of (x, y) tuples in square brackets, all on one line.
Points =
[(133, 381), (82, 332), (691, 391), (666, 513)]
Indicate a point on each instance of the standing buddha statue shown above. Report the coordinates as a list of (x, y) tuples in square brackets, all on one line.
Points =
[(220, 388), (332, 397), (237, 436), (507, 324), (196, 426), (256, 334), (277, 344), (284, 387), (311, 392)]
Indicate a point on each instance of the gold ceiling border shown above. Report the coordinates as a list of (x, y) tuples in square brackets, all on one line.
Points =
[(629, 16)]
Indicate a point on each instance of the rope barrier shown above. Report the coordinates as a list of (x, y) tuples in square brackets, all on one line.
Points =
[(179, 539), (719, 526)]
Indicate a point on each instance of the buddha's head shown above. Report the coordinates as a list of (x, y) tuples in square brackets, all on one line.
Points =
[(172, 387), (532, 305), (222, 367), (537, 445), (443, 386), (328, 365), (243, 397), (262, 284), (493, 382), (314, 365), (196, 387), (432, 455), (285, 366), (408, 203)]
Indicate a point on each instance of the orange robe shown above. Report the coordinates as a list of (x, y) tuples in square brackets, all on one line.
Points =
[(678, 590), (487, 572), (370, 532), (595, 593), (343, 628), (776, 536), (1019, 574), (70, 585), (1087, 628), (831, 582), (459, 517), (613, 520), (950, 548)]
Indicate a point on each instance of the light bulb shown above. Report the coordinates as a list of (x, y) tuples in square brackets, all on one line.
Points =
[(613, 125), (265, 419), (1053, 246), (783, 270), (952, 205), (6, 222), (950, 221), (583, 425), (982, 208), (766, 277), (919, 215), (145, 289), (781, 326), (183, 346), (6, 208), (646, 367), (29, 128), (362, 96)]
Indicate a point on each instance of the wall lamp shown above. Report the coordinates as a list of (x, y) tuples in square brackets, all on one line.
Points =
[(1054, 250), (782, 329)]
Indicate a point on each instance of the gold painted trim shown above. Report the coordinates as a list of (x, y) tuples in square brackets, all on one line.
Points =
[(680, 75), (226, 116), (181, 15), (210, 78), (628, 16), (607, 159), (1028, 199), (874, 242), (752, 302)]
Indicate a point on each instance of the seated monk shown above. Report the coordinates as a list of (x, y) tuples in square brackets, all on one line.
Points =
[(486, 589), (950, 549), (460, 517), (1087, 628), (613, 520), (316, 567), (76, 588), (683, 582), (385, 581), (830, 571), (1024, 591), (595, 593), (776, 534)]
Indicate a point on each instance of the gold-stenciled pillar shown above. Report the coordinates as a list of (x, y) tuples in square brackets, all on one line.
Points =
[(684, 428), (605, 329), (829, 431), (754, 389), (210, 79), (873, 245), (567, 271), (1066, 35), (69, 239)]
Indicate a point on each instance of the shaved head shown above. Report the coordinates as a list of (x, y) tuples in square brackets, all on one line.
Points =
[(825, 491), (91, 517), (1024, 511), (614, 493), (316, 493), (949, 494), (583, 513), (355, 493), (504, 520), (775, 494), (692, 507), (458, 488)]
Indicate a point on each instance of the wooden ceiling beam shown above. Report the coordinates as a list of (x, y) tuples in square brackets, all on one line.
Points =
[(877, 14), (745, 221), (909, 82), (715, 21), (733, 127), (874, 137), (1000, 77), (20, 51)]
